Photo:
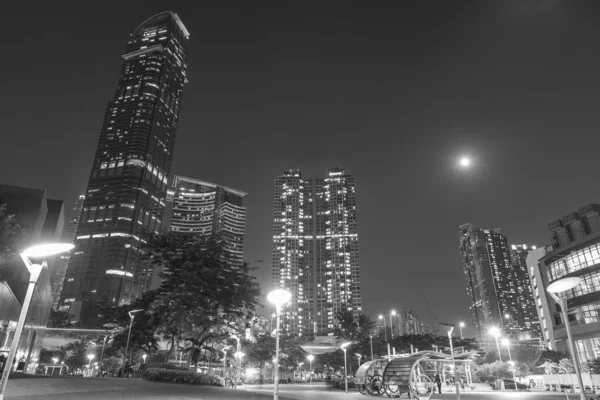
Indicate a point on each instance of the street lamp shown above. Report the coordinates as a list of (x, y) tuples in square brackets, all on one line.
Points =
[(359, 357), (271, 326), (144, 357), (310, 359), (451, 326), (343, 346), (506, 342), (224, 350), (278, 297), (559, 286), (384, 326), (90, 357), (54, 360), (131, 316), (40, 252), (393, 312), (495, 332), (461, 325), (300, 366), (371, 339)]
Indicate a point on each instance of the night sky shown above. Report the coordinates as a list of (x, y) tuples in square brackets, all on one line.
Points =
[(393, 91)]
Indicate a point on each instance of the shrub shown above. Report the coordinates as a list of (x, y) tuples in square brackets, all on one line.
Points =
[(177, 376), (340, 384), (167, 366)]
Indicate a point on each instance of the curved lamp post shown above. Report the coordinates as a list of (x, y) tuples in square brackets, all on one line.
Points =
[(450, 330), (393, 312), (310, 359), (559, 286), (343, 347), (371, 339), (512, 364), (131, 316), (224, 350), (39, 252), (495, 332), (278, 297), (461, 325)]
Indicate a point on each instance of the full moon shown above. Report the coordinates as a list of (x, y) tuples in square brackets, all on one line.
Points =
[(465, 162)]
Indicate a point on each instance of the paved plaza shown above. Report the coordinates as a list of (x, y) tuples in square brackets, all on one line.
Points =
[(66, 388)]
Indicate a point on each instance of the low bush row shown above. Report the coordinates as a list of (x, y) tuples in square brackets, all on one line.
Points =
[(341, 384), (178, 376)]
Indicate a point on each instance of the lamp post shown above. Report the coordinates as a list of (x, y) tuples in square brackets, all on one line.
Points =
[(237, 351), (131, 316), (224, 350), (393, 312), (559, 286), (144, 357), (54, 360), (461, 325), (384, 326), (39, 252), (103, 345), (278, 297), (371, 339), (239, 356), (300, 366), (271, 327), (90, 357), (451, 326), (495, 332), (506, 342), (359, 357), (310, 359), (343, 346)]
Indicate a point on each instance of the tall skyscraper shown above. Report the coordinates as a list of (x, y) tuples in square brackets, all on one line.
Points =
[(315, 249), (125, 196), (527, 317), (68, 236), (490, 279), (205, 209)]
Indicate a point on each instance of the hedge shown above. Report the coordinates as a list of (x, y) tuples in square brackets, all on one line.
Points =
[(340, 384), (176, 376)]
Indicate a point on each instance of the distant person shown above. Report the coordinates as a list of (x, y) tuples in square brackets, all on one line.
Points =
[(462, 383), (438, 383)]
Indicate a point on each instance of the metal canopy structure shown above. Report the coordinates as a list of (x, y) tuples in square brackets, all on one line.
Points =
[(404, 373)]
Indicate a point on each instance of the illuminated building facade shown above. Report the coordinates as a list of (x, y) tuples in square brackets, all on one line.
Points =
[(541, 301), (68, 236), (491, 280), (575, 252), (315, 249), (526, 316), (203, 209), (125, 196)]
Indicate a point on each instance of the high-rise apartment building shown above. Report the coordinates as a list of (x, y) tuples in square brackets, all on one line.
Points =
[(575, 252), (491, 280), (203, 209), (68, 236), (315, 249), (125, 196), (526, 317)]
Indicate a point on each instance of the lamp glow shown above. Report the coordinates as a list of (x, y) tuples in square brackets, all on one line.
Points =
[(563, 284), (344, 345), (505, 342), (279, 296), (461, 324), (465, 162), (310, 357), (495, 332), (45, 250)]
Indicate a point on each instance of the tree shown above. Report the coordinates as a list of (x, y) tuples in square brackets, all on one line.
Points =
[(202, 293), (261, 352), (11, 235), (565, 366), (76, 353), (354, 327)]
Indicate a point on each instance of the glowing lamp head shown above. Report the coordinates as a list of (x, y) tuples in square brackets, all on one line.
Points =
[(145, 356), (344, 345), (90, 357), (505, 342), (465, 162), (461, 324), (279, 297), (46, 250), (495, 332), (310, 357), (55, 360), (393, 312), (507, 316), (563, 284), (380, 316), (358, 355)]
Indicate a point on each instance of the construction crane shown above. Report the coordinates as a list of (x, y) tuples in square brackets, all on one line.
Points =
[(434, 321)]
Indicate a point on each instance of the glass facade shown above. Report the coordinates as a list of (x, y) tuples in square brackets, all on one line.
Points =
[(579, 259), (590, 284), (125, 197)]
